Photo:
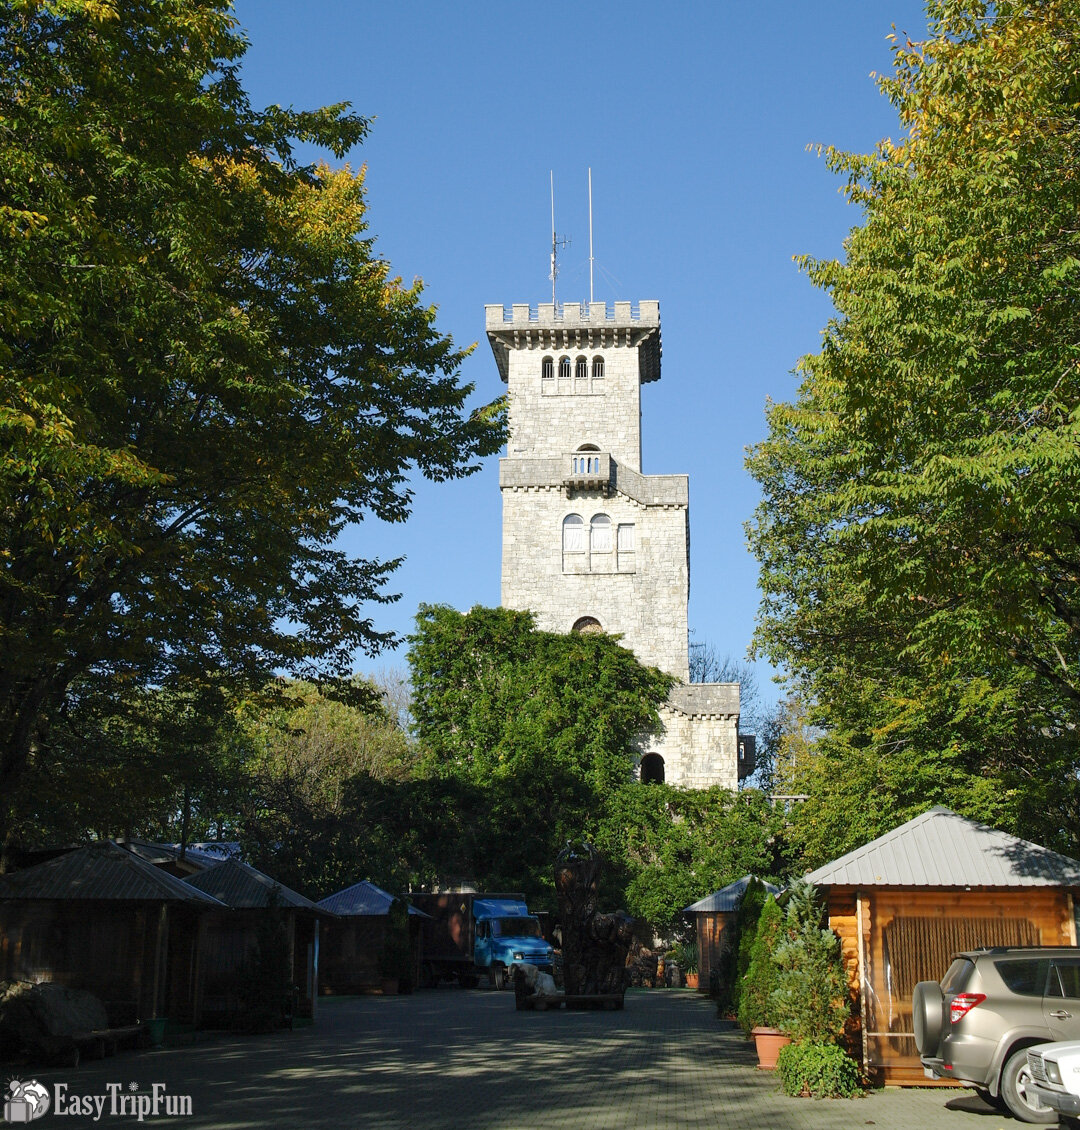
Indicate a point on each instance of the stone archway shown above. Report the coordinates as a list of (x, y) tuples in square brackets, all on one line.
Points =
[(652, 769), (587, 625)]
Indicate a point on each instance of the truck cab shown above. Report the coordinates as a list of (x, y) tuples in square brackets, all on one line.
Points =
[(507, 935)]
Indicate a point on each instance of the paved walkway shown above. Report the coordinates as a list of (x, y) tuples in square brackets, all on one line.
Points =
[(466, 1060)]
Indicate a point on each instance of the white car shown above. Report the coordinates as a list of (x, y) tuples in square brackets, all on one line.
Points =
[(1055, 1077)]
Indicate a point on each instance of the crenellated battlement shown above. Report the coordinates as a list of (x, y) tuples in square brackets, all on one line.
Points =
[(574, 325), (571, 315)]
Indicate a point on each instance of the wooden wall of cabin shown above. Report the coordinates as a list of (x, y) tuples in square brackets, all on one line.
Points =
[(306, 956), (228, 939), (350, 954), (110, 949), (910, 935)]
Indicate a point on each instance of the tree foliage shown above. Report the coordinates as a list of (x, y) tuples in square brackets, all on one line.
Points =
[(494, 697), (206, 371), (918, 533), (541, 732), (672, 846), (755, 992), (810, 1001)]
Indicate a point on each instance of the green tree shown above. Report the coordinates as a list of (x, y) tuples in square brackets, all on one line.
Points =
[(206, 371), (671, 846), (746, 922), (164, 763), (321, 804), (546, 725), (810, 1001), (494, 697), (918, 534), (760, 979)]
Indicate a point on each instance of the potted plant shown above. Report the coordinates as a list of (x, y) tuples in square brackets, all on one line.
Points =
[(810, 1002), (688, 962), (395, 960), (756, 1006)]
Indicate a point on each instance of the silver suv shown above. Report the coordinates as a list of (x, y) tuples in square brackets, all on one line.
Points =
[(990, 1007)]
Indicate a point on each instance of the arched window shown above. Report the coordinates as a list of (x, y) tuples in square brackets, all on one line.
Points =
[(597, 368), (652, 769), (600, 534), (564, 368), (581, 368), (547, 368), (573, 534), (587, 626)]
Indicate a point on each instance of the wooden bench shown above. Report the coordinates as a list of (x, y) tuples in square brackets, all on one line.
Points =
[(71, 1049)]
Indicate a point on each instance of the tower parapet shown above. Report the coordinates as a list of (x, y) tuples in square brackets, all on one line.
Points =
[(576, 325)]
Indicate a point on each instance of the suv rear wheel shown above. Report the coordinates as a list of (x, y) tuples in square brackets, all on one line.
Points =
[(928, 1016), (1015, 1080)]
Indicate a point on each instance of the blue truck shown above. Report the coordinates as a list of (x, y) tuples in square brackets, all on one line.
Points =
[(469, 934)]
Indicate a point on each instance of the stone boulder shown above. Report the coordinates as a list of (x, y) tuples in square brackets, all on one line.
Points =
[(36, 1015)]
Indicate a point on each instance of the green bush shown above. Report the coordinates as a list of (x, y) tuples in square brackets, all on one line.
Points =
[(756, 988), (824, 1071), (746, 928), (809, 1000)]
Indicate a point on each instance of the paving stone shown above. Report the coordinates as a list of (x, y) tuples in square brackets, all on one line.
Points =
[(452, 1059)]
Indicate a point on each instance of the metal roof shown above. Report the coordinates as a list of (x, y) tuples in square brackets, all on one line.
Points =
[(941, 849), (170, 853), (727, 899), (100, 871), (362, 898), (242, 887)]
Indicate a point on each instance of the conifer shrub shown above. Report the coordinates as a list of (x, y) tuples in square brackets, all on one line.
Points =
[(809, 1000), (755, 1008), (736, 956)]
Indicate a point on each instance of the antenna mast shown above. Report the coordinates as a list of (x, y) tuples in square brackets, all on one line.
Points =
[(590, 237), (556, 243)]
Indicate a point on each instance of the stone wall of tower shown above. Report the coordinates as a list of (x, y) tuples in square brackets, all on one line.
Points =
[(548, 417), (636, 583), (700, 742), (639, 594)]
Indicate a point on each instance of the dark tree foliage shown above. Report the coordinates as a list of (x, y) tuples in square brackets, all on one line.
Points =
[(206, 371)]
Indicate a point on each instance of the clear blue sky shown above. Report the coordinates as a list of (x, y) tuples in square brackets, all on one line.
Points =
[(695, 118)]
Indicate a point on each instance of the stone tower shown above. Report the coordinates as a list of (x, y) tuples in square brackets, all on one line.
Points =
[(589, 542)]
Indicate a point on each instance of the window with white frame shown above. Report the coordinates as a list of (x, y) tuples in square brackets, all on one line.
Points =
[(547, 368), (573, 534), (564, 368), (600, 534), (625, 540), (597, 368), (581, 369)]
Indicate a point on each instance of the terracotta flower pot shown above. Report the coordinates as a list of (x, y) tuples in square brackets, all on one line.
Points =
[(691, 980), (768, 1042)]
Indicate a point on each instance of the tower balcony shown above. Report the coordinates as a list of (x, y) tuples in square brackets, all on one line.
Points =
[(588, 470)]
